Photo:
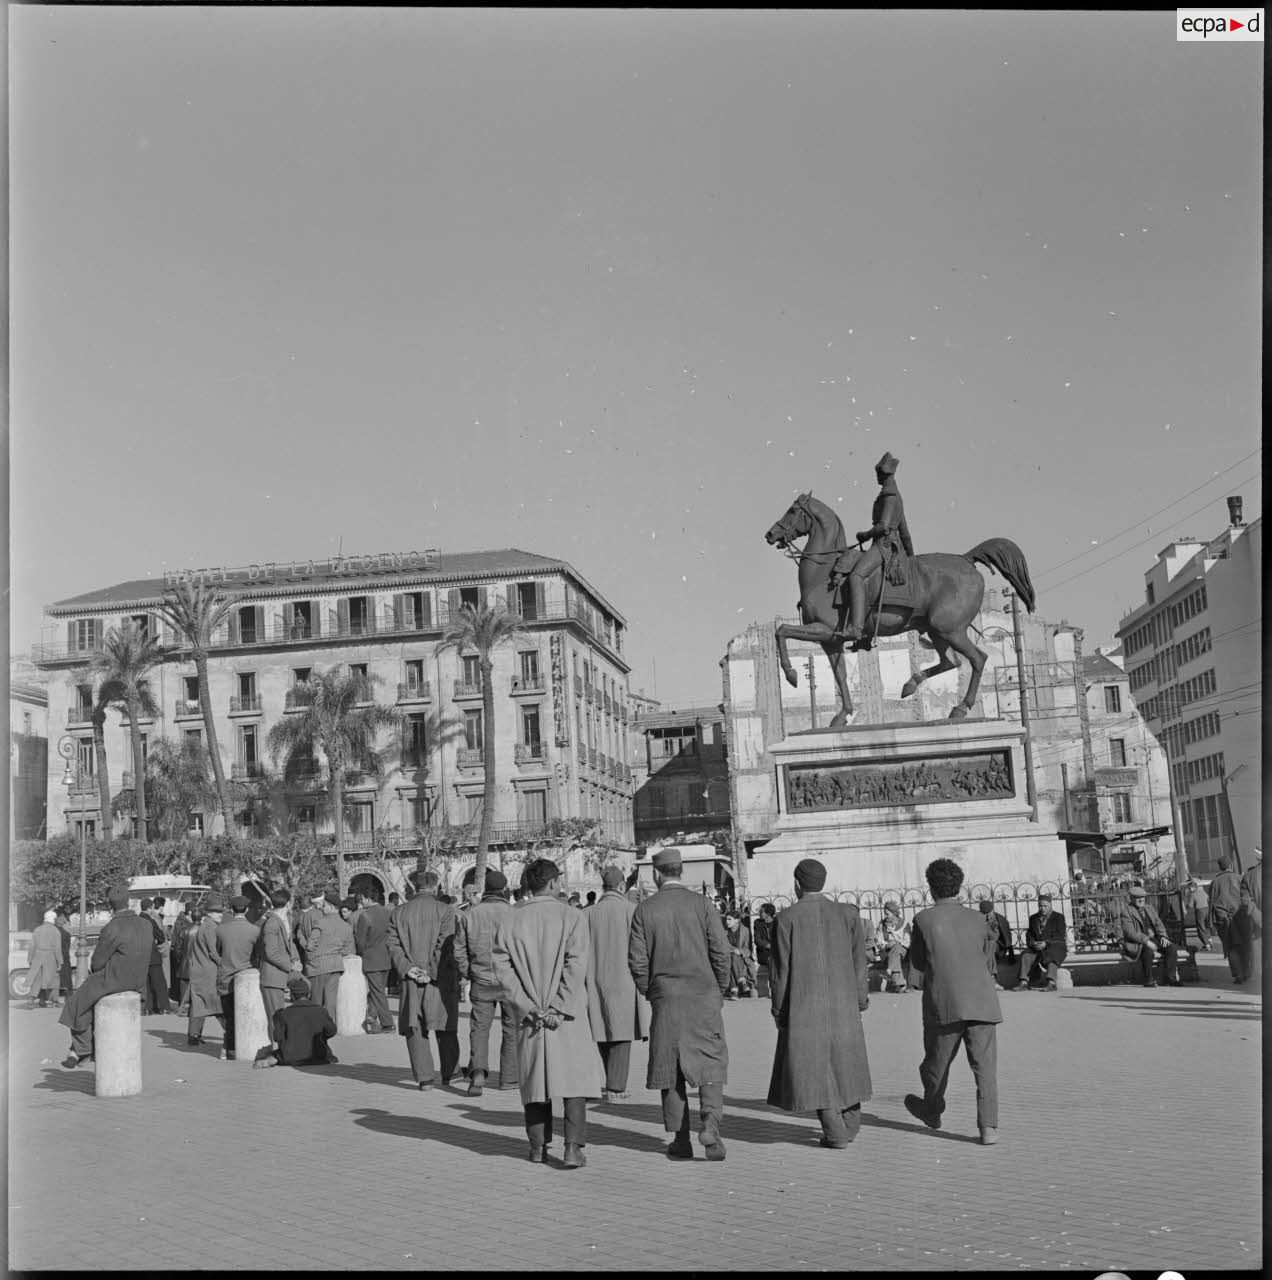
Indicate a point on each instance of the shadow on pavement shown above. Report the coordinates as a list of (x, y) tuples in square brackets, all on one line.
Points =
[(794, 1132), (68, 1080), (1189, 1009), (178, 1040), (365, 1073), (428, 1130), (599, 1135)]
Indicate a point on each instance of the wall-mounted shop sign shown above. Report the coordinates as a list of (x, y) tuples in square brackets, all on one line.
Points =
[(295, 570)]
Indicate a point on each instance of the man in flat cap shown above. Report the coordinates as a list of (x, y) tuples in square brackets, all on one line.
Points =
[(960, 1005), (1045, 949), (236, 940), (371, 938), (818, 977), (422, 948), (1225, 907), (326, 940), (280, 961), (1145, 937), (119, 963), (474, 940), (679, 957), (889, 537), (540, 958), (205, 961), (300, 1030), (618, 1013)]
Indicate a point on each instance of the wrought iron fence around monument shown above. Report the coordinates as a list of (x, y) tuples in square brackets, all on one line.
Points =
[(1091, 909)]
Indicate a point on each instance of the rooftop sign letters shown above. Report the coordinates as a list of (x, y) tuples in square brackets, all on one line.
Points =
[(298, 570)]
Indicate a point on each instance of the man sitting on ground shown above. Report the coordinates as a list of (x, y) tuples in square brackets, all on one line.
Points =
[(301, 1032)]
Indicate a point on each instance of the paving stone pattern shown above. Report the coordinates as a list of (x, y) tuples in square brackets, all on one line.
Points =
[(1119, 1108)]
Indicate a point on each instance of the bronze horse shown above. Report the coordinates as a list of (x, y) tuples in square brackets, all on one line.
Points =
[(946, 595)]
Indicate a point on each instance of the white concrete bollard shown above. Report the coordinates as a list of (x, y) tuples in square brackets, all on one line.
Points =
[(117, 1045), (351, 999), (251, 1035)]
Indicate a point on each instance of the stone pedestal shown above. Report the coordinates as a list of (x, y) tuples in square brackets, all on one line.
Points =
[(117, 1045), (351, 999), (251, 1034), (876, 803)]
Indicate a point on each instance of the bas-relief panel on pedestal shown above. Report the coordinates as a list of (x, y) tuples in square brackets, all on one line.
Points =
[(867, 784)]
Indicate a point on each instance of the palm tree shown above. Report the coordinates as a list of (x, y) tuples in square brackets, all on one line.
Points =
[(484, 630), (178, 781), (194, 610), (103, 696), (129, 654), (333, 715)]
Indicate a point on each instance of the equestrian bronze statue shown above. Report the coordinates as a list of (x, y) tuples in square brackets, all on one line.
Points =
[(890, 590)]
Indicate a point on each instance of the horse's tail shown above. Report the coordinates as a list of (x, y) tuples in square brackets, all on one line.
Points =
[(1001, 555)]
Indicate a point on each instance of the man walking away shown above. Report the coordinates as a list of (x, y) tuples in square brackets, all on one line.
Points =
[(617, 1012), (422, 948), (540, 962), (156, 988), (679, 957), (960, 1005), (236, 947), (474, 943), (326, 940), (119, 963), (177, 952), (46, 951), (818, 979), (371, 939), (1145, 937), (301, 1031), (1225, 902), (205, 960), (280, 961)]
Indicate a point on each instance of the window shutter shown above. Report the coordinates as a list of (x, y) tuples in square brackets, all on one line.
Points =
[(540, 604), (370, 613), (315, 612), (483, 598), (342, 616), (399, 612), (260, 623), (289, 619), (426, 609), (70, 637), (452, 597), (233, 628)]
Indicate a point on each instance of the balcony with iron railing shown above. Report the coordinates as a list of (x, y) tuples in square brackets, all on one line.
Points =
[(530, 752), (415, 691), (249, 771), (578, 686), (359, 780), (78, 716), (592, 756), (470, 758), (292, 701), (185, 709), (609, 705), (589, 692), (527, 684), (464, 690), (244, 704)]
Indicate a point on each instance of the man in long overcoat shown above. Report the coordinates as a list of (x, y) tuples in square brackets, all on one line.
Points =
[(818, 979), (176, 953), (1225, 905), (205, 959), (325, 938), (679, 957), (119, 963), (618, 1013), (422, 947), (280, 960), (45, 962), (371, 940), (475, 931), (236, 948), (1250, 920), (960, 1005), (540, 961)]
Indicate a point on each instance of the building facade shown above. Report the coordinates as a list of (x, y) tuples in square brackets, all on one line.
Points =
[(679, 771), (561, 701), (1193, 658), (28, 752)]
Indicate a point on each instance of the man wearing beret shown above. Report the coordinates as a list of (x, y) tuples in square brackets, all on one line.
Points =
[(618, 1013), (679, 957), (474, 940), (422, 947), (818, 977), (326, 940), (1045, 947), (236, 947), (301, 1031), (280, 961), (1144, 937), (119, 963), (960, 1005), (205, 960), (371, 938)]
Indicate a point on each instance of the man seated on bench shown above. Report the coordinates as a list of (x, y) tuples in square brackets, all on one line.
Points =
[(1045, 947), (1144, 937)]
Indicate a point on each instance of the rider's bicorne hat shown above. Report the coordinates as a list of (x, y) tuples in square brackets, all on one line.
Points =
[(887, 464)]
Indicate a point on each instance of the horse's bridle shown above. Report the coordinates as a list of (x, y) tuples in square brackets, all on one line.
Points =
[(801, 504)]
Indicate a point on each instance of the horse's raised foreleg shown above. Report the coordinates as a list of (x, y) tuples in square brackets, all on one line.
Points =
[(835, 652), (945, 663), (961, 643), (782, 656)]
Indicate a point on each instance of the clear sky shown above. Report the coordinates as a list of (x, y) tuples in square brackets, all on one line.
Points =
[(614, 286)]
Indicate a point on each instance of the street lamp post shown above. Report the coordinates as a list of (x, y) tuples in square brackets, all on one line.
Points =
[(74, 777), (1227, 804)]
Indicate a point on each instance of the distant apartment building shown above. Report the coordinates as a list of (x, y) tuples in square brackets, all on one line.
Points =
[(28, 752), (1193, 658), (561, 702), (679, 771)]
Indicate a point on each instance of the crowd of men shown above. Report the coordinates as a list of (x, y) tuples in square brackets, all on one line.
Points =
[(574, 987)]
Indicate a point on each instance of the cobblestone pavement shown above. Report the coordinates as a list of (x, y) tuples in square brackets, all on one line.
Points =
[(1118, 1107)]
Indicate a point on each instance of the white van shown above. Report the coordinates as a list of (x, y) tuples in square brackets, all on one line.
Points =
[(174, 890)]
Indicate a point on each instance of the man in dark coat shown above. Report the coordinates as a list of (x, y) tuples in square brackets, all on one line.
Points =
[(960, 1006), (177, 950), (1045, 947), (1145, 937), (325, 938), (156, 999), (279, 957), (301, 1031), (474, 942), (119, 963), (998, 948), (818, 981), (679, 957), (1250, 920), (422, 947), (236, 949), (1225, 904), (617, 1012), (762, 934), (371, 941)]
